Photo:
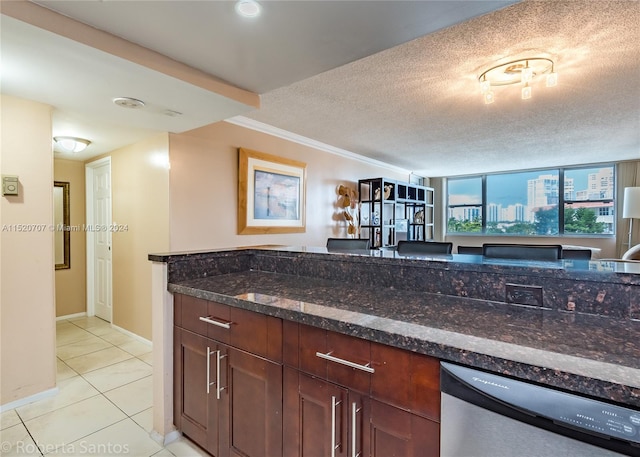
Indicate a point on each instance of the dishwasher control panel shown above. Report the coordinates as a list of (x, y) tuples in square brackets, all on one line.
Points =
[(572, 411)]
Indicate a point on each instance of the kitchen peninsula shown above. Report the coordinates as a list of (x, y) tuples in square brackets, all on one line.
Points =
[(574, 325)]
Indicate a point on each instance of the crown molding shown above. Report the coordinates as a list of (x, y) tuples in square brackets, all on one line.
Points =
[(258, 126)]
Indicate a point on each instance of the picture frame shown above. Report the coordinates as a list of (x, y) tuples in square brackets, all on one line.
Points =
[(61, 220), (271, 194)]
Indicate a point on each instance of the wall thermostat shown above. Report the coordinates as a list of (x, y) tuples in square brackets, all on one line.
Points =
[(9, 185)]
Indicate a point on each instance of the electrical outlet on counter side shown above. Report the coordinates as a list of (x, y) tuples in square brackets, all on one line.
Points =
[(524, 295)]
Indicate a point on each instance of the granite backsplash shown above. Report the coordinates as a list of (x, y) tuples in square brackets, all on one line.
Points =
[(573, 287)]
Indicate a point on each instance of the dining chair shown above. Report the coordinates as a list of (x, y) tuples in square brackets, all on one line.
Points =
[(475, 250), (347, 244), (522, 251), (407, 247), (576, 254)]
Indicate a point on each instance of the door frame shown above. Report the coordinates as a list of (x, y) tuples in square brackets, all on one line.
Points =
[(90, 237)]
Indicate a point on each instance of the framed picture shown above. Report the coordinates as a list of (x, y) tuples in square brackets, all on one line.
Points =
[(271, 194)]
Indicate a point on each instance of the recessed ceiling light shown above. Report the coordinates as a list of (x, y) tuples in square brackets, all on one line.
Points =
[(128, 102), (248, 8)]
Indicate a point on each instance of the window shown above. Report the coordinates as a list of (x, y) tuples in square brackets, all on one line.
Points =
[(465, 205), (589, 211), (572, 201)]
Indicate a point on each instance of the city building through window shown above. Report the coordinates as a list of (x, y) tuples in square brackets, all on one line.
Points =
[(555, 202)]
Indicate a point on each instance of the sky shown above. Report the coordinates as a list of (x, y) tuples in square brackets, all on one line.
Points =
[(509, 189)]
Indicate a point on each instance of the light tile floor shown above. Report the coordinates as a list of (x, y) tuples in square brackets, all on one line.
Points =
[(103, 407)]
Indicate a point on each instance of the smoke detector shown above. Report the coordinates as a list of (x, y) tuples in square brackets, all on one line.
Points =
[(129, 103)]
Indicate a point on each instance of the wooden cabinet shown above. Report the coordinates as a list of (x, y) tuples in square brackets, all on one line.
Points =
[(315, 416), (345, 396), (196, 411), (337, 395), (254, 403), (393, 210), (227, 399), (394, 432)]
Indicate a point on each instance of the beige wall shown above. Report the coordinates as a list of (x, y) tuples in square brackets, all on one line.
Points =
[(204, 187), (27, 314), (71, 284), (140, 201)]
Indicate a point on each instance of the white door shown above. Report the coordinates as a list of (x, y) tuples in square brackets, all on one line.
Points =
[(99, 239)]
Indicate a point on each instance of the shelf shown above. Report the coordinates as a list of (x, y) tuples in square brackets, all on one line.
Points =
[(397, 212)]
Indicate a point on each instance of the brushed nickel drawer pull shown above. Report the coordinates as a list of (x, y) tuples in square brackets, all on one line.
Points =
[(354, 429), (334, 406), (219, 389), (357, 366), (209, 353), (209, 320)]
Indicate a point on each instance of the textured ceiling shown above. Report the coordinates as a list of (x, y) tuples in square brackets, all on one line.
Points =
[(335, 72), (418, 105)]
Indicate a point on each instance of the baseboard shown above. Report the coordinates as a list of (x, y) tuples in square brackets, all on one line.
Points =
[(71, 316), (30, 399), (165, 439), (133, 335)]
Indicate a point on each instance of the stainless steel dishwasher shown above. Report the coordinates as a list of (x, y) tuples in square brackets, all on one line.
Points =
[(485, 415)]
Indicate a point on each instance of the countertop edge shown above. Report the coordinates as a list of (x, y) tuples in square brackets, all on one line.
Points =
[(371, 327)]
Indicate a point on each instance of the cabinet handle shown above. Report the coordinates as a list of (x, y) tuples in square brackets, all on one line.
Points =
[(357, 366), (218, 388), (209, 352), (334, 406), (354, 420), (209, 320)]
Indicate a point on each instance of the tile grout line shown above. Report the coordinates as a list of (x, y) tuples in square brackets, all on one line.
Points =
[(29, 433), (99, 392)]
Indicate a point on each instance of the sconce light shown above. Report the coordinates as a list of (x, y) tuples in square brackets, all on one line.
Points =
[(631, 207), (521, 71), (71, 143)]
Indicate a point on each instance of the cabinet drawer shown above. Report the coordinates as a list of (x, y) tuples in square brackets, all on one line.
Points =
[(407, 380), (198, 316), (253, 332), (339, 358)]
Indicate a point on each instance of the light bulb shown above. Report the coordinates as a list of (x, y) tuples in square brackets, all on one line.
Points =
[(485, 86), (489, 97), (526, 92), (552, 79), (527, 74)]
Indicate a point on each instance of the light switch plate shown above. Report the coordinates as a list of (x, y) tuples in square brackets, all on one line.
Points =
[(9, 185)]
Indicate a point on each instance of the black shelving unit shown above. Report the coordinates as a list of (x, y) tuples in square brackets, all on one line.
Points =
[(392, 210)]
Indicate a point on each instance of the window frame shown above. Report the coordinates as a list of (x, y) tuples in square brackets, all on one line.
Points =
[(483, 205)]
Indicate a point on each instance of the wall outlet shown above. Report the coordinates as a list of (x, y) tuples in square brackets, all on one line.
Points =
[(524, 295)]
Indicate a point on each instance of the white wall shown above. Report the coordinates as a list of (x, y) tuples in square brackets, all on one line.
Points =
[(204, 187), (140, 204), (27, 309)]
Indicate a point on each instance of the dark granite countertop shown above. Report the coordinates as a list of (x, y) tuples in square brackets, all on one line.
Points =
[(600, 269), (594, 355)]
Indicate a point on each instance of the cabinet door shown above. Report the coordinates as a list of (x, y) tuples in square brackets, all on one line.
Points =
[(196, 410), (397, 433), (252, 396), (406, 380), (315, 417)]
